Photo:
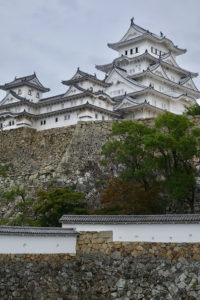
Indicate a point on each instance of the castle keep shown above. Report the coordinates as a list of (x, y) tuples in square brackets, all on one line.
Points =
[(142, 82)]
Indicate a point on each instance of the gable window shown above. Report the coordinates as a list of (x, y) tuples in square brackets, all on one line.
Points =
[(29, 92), (56, 119)]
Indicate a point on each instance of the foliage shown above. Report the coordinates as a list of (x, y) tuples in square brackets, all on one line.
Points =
[(3, 170), (22, 206), (52, 204), (127, 198), (193, 110), (161, 155)]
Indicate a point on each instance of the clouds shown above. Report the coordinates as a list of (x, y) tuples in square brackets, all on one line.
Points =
[(54, 37)]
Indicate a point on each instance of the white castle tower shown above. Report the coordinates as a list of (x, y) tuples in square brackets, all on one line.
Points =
[(142, 82), (145, 76)]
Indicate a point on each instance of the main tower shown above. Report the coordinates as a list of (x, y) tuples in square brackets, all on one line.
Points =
[(145, 77)]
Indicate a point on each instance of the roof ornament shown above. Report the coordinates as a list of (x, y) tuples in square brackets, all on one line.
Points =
[(146, 51), (161, 34), (132, 21), (145, 101)]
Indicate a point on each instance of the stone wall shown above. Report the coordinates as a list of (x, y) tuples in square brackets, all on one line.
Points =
[(65, 156), (123, 271)]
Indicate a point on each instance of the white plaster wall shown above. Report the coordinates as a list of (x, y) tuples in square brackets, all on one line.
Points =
[(37, 244), (162, 233)]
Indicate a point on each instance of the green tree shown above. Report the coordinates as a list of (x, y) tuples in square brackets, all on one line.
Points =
[(22, 206), (161, 155), (193, 110), (52, 204)]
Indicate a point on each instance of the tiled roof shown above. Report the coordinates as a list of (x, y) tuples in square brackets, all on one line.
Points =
[(30, 80), (41, 231), (84, 76), (130, 219)]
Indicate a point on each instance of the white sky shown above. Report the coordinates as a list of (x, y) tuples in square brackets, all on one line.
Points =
[(54, 37)]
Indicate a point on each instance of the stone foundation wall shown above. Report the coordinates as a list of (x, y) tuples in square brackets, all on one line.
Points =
[(123, 271), (63, 156)]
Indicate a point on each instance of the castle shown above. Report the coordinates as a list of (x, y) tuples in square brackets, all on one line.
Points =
[(142, 82)]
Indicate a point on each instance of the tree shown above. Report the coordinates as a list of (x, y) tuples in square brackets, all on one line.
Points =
[(128, 152), (161, 155), (52, 204), (22, 206), (193, 110), (127, 198)]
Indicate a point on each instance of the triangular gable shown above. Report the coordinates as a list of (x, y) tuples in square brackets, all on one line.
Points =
[(170, 60), (190, 84), (9, 99), (73, 90), (130, 34), (36, 82), (160, 72), (125, 103), (121, 82)]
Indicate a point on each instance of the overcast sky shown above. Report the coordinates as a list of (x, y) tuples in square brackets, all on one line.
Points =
[(54, 37)]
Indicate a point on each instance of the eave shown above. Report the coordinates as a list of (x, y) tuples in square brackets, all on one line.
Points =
[(174, 84), (150, 36), (9, 86)]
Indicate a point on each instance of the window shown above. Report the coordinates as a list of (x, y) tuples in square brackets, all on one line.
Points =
[(1, 125), (126, 52), (9, 123), (38, 95), (152, 49), (66, 117), (103, 118), (13, 122), (43, 122), (29, 92), (19, 91), (136, 50), (96, 116), (131, 51), (56, 119)]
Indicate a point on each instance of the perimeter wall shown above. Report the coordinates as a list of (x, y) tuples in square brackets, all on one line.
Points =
[(103, 269)]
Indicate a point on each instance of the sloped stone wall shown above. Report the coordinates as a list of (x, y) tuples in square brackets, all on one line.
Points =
[(123, 271), (65, 156)]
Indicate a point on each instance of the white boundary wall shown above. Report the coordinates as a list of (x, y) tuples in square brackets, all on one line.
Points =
[(161, 233), (37, 244)]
